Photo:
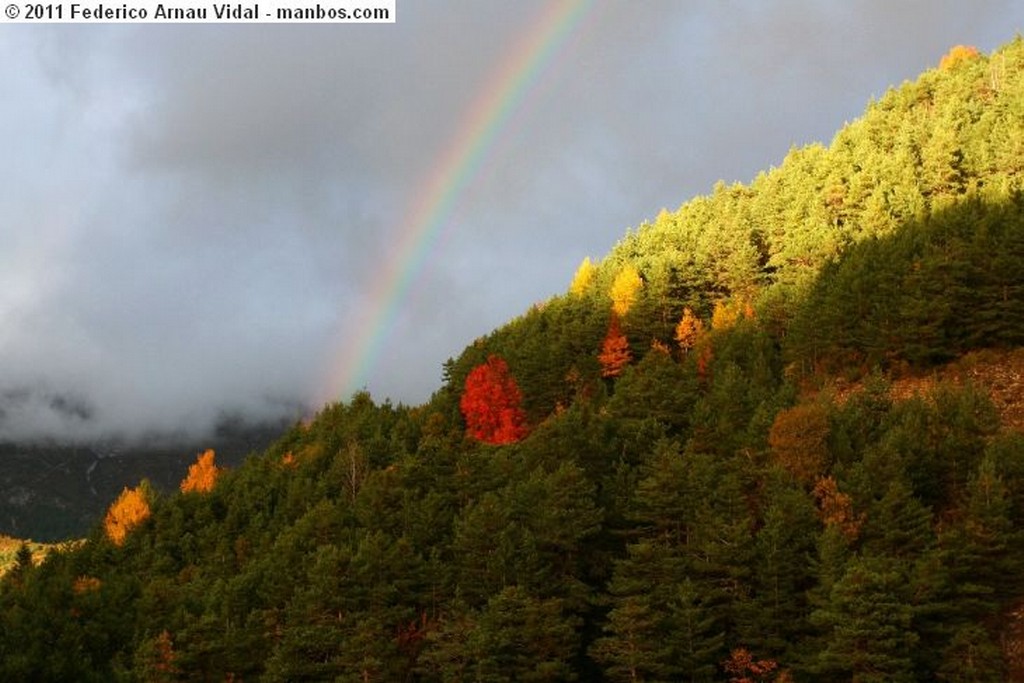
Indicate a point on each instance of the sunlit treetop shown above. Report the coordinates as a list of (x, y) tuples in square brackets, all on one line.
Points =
[(581, 280), (202, 475), (492, 404), (129, 511), (956, 55), (625, 289)]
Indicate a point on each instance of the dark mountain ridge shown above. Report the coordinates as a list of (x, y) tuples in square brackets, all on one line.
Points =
[(54, 491)]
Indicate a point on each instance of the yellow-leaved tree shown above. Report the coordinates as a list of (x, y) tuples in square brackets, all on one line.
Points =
[(625, 289), (129, 511), (725, 315), (581, 280), (202, 475)]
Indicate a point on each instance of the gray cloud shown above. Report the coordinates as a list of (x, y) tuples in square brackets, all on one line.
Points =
[(194, 217)]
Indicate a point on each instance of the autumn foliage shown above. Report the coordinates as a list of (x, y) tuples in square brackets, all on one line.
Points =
[(688, 330), (799, 440), (726, 315), (835, 509), (158, 660), (957, 54), (615, 353), (743, 667), (128, 511), (202, 475), (86, 584), (658, 346), (625, 290), (705, 355), (581, 280), (492, 404)]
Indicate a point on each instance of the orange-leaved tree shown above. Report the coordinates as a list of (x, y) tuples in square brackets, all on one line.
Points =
[(957, 54), (202, 475), (615, 353), (725, 315), (86, 584), (129, 510), (492, 404), (688, 330), (799, 440), (743, 667), (157, 660), (835, 509)]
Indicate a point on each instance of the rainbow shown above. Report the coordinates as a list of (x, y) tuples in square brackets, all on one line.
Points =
[(438, 196)]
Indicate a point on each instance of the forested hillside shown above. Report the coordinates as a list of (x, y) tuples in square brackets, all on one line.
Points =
[(54, 491), (691, 466)]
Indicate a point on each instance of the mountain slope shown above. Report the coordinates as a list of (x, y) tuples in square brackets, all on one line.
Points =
[(53, 492), (684, 506), (912, 159)]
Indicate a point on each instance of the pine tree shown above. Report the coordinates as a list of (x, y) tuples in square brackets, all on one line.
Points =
[(697, 633), (868, 624), (640, 640), (898, 525), (656, 388), (985, 544), (156, 660), (521, 637), (972, 656), (632, 648), (782, 572)]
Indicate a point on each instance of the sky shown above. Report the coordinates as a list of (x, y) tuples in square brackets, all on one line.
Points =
[(210, 220)]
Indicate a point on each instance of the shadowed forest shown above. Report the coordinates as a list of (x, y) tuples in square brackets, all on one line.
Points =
[(694, 465)]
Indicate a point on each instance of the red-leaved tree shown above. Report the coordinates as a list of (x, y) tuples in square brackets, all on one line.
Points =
[(492, 404)]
